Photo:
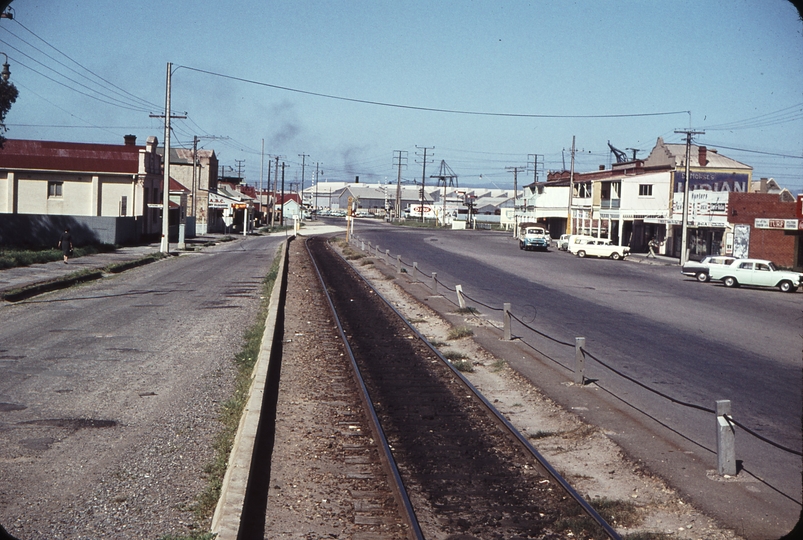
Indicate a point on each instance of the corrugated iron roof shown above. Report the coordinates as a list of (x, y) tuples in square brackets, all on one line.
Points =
[(66, 156)]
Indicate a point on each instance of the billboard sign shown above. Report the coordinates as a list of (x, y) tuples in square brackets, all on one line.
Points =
[(713, 181), (777, 223)]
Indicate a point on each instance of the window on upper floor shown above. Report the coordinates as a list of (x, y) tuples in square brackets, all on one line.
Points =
[(645, 190), (54, 189), (582, 190)]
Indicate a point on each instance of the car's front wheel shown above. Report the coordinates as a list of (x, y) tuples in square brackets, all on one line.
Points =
[(702, 277), (581, 254), (786, 286), (730, 281)]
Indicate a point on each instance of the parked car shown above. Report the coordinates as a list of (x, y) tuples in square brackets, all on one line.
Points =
[(534, 238), (756, 272), (597, 247), (700, 269), (562, 243)]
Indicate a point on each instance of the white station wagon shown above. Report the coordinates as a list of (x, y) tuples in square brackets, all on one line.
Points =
[(757, 272), (584, 246)]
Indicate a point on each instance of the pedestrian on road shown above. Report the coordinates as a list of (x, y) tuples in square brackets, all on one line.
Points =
[(65, 243), (653, 245)]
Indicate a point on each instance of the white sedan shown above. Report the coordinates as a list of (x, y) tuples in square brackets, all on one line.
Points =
[(757, 272)]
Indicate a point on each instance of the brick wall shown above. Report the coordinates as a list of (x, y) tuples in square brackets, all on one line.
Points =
[(779, 246)]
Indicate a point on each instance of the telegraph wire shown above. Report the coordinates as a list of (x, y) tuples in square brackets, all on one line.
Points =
[(755, 151), (152, 106), (787, 114), (67, 67), (90, 124), (138, 109), (429, 109)]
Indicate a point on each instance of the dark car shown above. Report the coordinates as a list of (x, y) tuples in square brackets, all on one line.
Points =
[(700, 269)]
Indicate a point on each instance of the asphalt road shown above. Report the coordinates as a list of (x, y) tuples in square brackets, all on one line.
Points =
[(108, 393), (697, 342)]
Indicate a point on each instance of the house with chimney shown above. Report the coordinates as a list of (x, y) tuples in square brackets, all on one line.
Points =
[(712, 178), (105, 193)]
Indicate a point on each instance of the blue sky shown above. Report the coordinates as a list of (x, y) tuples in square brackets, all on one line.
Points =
[(540, 72)]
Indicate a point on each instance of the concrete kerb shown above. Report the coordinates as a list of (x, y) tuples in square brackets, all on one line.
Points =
[(227, 518)]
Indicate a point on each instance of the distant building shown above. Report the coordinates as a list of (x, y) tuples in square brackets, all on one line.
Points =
[(199, 181)]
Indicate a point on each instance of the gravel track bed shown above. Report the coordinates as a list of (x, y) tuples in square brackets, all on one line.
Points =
[(326, 480)]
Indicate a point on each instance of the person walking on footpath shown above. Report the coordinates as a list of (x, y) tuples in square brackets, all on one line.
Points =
[(653, 245), (65, 243)]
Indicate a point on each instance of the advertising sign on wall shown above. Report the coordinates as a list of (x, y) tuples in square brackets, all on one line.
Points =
[(713, 181), (706, 208), (741, 241), (778, 223)]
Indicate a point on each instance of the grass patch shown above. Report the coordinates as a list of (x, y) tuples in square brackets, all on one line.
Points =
[(275, 229), (454, 355), (191, 536), (412, 222), (116, 268), (467, 311), (232, 410), (417, 320), (617, 513), (464, 365), (498, 365), (644, 535), (12, 258), (367, 262), (540, 434), (437, 343), (459, 332)]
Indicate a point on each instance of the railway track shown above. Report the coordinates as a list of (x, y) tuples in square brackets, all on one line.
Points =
[(460, 469)]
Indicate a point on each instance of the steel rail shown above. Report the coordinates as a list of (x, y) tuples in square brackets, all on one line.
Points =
[(544, 466), (386, 456)]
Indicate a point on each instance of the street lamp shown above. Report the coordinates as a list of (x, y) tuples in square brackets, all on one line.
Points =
[(6, 73)]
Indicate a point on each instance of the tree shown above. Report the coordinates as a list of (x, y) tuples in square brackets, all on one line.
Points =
[(8, 95)]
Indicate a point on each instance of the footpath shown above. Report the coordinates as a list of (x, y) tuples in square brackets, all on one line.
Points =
[(25, 281)]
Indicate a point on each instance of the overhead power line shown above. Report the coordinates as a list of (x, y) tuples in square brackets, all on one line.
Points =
[(141, 101), (428, 109), (754, 151)]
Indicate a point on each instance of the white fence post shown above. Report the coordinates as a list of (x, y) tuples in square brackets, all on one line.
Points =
[(434, 283), (398, 264), (460, 300), (726, 440), (579, 360)]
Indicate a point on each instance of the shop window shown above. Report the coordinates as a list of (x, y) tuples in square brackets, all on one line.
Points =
[(54, 189)]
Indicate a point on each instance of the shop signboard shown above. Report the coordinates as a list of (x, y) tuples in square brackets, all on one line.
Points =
[(706, 208), (777, 223), (216, 201)]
